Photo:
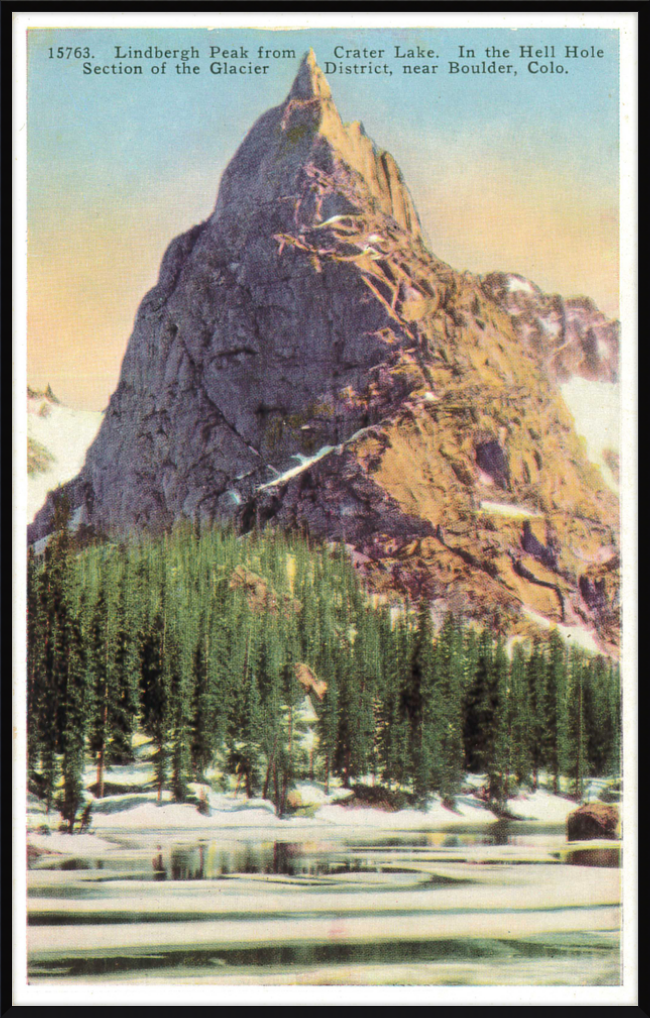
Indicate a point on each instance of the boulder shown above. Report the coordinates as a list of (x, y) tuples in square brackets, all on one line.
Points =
[(594, 820), (309, 681)]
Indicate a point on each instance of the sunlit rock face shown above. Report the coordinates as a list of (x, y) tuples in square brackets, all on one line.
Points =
[(305, 361)]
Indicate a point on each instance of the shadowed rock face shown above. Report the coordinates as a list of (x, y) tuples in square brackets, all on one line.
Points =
[(305, 361), (492, 460)]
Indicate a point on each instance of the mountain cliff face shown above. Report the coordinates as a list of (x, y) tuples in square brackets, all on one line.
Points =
[(305, 361), (570, 337)]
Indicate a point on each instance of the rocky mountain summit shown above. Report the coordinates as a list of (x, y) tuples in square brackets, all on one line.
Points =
[(305, 361), (571, 337)]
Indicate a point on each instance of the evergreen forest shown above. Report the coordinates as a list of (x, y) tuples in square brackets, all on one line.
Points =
[(201, 640)]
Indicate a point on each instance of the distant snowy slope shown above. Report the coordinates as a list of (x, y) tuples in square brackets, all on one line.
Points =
[(596, 411), (58, 439)]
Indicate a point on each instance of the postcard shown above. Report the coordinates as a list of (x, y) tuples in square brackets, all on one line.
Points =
[(325, 508)]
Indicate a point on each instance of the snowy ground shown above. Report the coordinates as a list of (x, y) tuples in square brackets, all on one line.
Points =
[(162, 893), (505, 509), (575, 635), (139, 811)]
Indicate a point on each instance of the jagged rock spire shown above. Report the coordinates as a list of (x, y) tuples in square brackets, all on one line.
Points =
[(307, 130), (310, 82)]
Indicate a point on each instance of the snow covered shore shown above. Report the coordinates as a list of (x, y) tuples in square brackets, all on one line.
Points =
[(139, 812)]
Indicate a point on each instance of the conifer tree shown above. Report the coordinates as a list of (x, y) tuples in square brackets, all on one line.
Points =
[(74, 732), (37, 634), (555, 709), (268, 668), (393, 721), (251, 735), (291, 693), (56, 601), (124, 699), (180, 695), (601, 694), (536, 693), (520, 721), (101, 650), (479, 711), (576, 740), (421, 707), (328, 722), (155, 692), (614, 684), (498, 748), (203, 734), (449, 680), (362, 729)]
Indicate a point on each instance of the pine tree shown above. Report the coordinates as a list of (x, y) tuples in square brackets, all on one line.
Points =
[(422, 708), (180, 696), (269, 671), (393, 735), (155, 692), (101, 659), (478, 710), (56, 601), (498, 751), (449, 680), (576, 736), (123, 704), (74, 733), (614, 684), (520, 721), (203, 735), (251, 735), (328, 722), (601, 695), (536, 691), (362, 755), (37, 632), (555, 709), (284, 762)]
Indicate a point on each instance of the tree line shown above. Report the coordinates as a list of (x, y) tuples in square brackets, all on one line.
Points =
[(193, 638)]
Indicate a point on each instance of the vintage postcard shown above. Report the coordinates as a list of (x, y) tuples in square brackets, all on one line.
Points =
[(325, 508)]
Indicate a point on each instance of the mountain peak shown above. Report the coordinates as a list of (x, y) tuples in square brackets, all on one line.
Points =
[(310, 82), (303, 135), (305, 362)]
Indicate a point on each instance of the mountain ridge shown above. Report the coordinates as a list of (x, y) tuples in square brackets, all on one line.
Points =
[(307, 320)]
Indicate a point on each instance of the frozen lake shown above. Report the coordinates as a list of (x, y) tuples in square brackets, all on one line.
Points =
[(503, 905)]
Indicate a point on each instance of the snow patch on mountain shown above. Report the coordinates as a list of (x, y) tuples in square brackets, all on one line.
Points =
[(66, 435), (304, 464), (596, 409), (575, 635), (518, 283), (516, 511)]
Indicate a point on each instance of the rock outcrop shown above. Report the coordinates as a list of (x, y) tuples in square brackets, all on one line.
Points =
[(305, 361), (571, 337), (594, 820)]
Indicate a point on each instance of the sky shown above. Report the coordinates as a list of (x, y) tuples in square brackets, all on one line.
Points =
[(514, 172)]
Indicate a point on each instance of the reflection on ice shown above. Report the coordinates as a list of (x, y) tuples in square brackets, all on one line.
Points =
[(466, 907)]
